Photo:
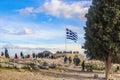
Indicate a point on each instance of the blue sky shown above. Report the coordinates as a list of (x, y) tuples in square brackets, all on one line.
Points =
[(42, 23)]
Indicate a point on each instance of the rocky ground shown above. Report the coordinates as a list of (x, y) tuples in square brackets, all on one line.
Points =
[(63, 72)]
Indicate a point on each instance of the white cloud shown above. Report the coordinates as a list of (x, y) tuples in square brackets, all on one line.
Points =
[(28, 31), (59, 8), (34, 35), (26, 11), (16, 31), (22, 31), (25, 31), (76, 28)]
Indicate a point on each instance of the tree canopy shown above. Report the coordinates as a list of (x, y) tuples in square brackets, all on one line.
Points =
[(102, 31), (44, 54)]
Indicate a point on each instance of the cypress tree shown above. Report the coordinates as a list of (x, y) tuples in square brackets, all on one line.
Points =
[(102, 32)]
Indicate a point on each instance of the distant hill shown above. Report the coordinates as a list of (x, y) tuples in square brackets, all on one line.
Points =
[(11, 46)]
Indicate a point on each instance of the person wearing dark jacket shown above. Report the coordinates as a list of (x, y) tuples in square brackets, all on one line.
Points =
[(21, 54), (70, 60), (65, 59), (6, 53), (76, 60), (83, 66)]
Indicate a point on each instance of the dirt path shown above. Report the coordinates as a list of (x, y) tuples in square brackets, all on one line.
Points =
[(52, 74), (71, 74)]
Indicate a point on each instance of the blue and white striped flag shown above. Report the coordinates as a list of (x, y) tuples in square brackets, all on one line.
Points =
[(71, 35)]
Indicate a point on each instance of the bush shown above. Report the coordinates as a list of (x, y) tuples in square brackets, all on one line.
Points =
[(95, 67)]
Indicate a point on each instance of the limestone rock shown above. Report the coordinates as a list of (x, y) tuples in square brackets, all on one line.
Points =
[(21, 70), (44, 65), (95, 76), (52, 66)]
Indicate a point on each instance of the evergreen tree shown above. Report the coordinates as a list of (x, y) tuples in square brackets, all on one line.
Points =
[(102, 32)]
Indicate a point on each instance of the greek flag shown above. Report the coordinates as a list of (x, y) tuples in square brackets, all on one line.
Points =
[(71, 35)]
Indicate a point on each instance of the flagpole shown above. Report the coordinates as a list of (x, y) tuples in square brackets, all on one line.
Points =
[(65, 40), (65, 45)]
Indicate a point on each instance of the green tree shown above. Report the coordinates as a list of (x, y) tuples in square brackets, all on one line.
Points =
[(44, 54), (47, 53), (102, 32)]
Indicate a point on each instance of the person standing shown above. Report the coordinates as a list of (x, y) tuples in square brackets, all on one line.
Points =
[(6, 53), (65, 59), (21, 54), (76, 60), (83, 65), (33, 55), (70, 60), (16, 56), (2, 54)]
